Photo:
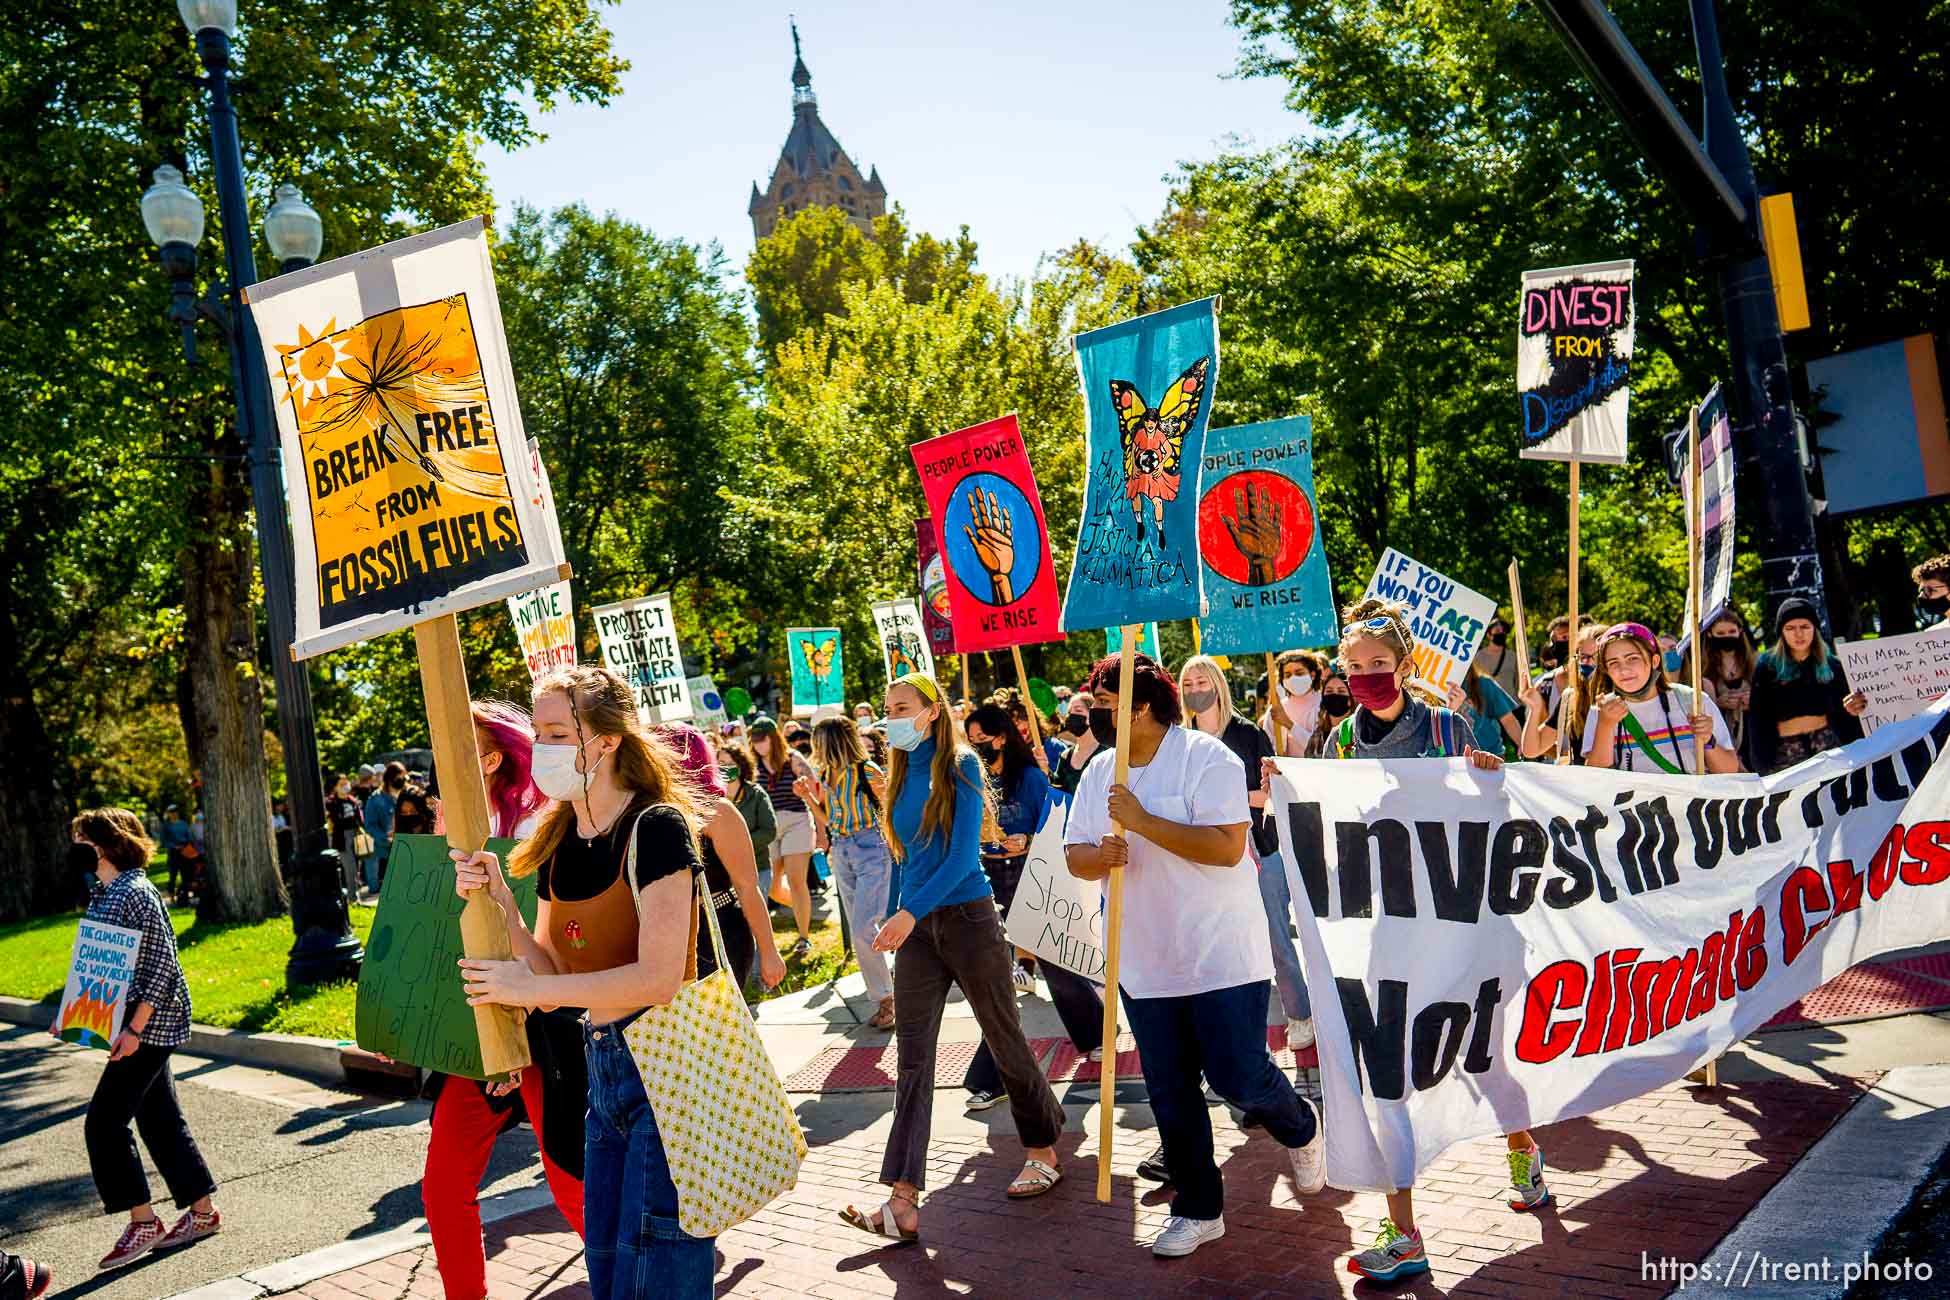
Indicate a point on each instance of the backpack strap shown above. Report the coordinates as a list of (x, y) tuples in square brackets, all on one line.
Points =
[(1443, 732)]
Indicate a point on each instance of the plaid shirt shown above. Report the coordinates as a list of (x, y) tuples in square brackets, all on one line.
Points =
[(133, 902)]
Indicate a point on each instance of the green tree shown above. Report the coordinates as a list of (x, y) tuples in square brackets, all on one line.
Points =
[(124, 488)]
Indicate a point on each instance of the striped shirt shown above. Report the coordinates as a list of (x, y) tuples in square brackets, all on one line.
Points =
[(132, 902), (850, 803), (778, 785)]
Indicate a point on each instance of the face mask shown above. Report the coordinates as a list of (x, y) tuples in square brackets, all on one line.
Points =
[(1934, 606), (1498, 638), (1674, 661), (905, 734), (1552, 654), (1297, 684), (1723, 644), (1076, 724), (553, 769), (1103, 725), (1200, 701), (343, 790), (1585, 670), (82, 858), (1374, 690), (1337, 706)]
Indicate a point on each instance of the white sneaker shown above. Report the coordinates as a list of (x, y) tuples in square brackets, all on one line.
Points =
[(1183, 1236), (1024, 982), (1299, 1035), (1310, 1161)]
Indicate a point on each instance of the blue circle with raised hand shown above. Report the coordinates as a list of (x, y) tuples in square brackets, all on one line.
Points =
[(989, 526)]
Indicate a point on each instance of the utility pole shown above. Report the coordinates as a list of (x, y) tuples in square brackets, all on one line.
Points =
[(1714, 183)]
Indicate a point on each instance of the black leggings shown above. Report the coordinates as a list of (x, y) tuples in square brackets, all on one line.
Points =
[(139, 1087), (738, 945)]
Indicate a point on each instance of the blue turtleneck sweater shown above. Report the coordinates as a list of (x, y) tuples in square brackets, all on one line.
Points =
[(944, 869)]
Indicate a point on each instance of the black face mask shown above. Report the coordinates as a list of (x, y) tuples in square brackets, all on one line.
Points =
[(1723, 644), (1934, 606), (1337, 706), (1103, 725), (1552, 654), (1076, 724), (82, 858), (802, 748), (1498, 638)]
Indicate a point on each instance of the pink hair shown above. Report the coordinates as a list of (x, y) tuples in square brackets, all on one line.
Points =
[(693, 754), (511, 791)]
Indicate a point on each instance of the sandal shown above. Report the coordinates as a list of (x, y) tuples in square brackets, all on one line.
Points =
[(883, 1018), (881, 1222), (1036, 1179)]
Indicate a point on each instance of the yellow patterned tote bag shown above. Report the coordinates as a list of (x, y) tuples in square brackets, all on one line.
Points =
[(728, 1131)]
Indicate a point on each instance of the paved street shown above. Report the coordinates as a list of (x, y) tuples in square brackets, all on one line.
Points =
[(299, 1167)]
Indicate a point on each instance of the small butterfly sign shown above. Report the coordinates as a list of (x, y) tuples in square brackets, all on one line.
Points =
[(818, 673)]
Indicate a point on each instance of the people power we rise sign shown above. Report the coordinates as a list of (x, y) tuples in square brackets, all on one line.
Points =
[(1000, 580), (1266, 581)]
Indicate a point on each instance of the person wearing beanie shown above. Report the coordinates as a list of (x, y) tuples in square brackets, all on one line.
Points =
[(1801, 703)]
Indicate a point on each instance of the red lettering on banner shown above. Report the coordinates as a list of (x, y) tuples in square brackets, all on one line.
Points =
[(1929, 856), (1558, 987)]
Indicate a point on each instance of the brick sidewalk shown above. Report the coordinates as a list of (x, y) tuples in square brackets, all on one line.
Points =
[(1668, 1174)]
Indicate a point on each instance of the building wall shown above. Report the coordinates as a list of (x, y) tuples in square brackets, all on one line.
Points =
[(842, 187)]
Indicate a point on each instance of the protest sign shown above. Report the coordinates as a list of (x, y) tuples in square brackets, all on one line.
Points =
[(1054, 915), (707, 705), (1902, 675), (903, 647), (95, 1003), (1266, 583), (1000, 579), (1147, 391), (639, 639), (1504, 950), (412, 491), (818, 672), (1147, 641), (1447, 618), (1574, 362), (1713, 518), (412, 1004), (936, 614), (545, 625)]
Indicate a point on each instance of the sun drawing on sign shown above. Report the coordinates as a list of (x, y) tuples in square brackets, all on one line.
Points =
[(318, 361)]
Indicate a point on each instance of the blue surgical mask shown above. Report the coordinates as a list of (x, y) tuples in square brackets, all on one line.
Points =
[(1585, 670), (1674, 661), (903, 734)]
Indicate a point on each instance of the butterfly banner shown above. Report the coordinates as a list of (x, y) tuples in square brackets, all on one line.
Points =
[(935, 611), (639, 639), (903, 647), (1147, 389), (818, 673), (545, 625), (1574, 362), (411, 487), (1266, 581), (1147, 642), (1000, 579)]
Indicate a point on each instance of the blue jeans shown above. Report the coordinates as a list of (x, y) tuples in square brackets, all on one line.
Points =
[(863, 868), (1278, 901), (633, 1245), (1222, 1035)]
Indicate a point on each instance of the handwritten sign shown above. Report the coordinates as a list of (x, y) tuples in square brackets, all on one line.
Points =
[(936, 614), (903, 645), (1266, 581), (639, 639), (1147, 391), (1447, 618), (412, 491), (1574, 362), (818, 671), (1001, 582), (411, 1004), (100, 969), (1715, 517), (545, 625), (1056, 916), (1901, 675), (707, 704)]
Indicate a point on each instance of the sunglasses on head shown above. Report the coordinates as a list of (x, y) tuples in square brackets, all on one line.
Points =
[(1379, 623)]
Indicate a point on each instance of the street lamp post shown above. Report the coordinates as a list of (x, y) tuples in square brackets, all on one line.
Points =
[(325, 946)]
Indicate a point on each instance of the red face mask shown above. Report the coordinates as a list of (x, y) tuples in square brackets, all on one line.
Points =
[(1373, 690)]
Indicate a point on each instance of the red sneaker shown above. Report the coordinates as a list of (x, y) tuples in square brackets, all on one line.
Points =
[(193, 1226), (39, 1277), (137, 1240)]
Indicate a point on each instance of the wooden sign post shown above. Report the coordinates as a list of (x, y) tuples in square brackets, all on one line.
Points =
[(1276, 708), (1695, 584), (1029, 708), (1570, 669), (1516, 609), (1113, 926), (463, 802)]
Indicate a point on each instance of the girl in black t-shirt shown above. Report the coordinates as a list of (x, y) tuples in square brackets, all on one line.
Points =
[(609, 941)]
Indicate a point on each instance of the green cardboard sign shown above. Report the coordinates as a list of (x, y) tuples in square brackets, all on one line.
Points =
[(412, 1004)]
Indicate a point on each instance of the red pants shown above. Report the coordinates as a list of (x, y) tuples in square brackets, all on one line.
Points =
[(464, 1129)]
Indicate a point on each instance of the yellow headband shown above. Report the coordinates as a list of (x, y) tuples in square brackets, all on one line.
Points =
[(922, 683)]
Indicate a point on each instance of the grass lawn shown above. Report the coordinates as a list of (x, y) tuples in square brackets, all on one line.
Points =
[(236, 972)]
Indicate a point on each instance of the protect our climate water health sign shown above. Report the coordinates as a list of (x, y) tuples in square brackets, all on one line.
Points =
[(639, 639)]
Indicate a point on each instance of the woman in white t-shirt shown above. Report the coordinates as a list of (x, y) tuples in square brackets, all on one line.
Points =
[(1196, 962), (1641, 721)]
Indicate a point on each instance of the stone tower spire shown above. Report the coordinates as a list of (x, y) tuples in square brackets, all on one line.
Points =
[(813, 169)]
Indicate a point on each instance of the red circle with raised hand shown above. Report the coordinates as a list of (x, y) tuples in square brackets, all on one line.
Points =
[(1255, 514)]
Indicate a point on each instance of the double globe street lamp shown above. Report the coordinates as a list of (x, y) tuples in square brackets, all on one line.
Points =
[(173, 215)]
